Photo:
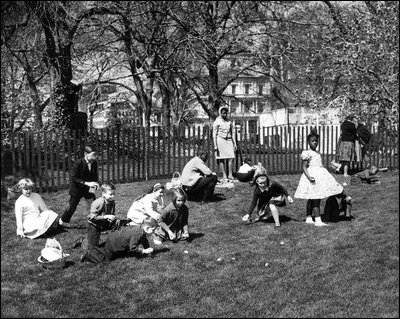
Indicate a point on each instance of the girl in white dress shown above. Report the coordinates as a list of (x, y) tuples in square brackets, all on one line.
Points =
[(316, 182), (32, 215), (151, 204)]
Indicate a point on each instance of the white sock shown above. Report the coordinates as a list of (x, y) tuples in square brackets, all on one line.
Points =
[(318, 222), (309, 220)]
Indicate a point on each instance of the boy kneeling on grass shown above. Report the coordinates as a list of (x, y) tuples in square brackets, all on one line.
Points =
[(123, 242), (335, 206)]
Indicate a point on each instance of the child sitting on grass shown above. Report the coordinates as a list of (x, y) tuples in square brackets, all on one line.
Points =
[(174, 219), (266, 198), (148, 205), (33, 217), (336, 205), (126, 241), (246, 171)]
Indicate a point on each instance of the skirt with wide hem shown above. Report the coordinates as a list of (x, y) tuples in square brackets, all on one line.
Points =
[(325, 185)]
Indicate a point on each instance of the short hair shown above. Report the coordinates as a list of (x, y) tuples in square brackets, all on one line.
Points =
[(150, 222), (178, 193), (202, 151), (247, 160), (224, 107), (373, 170), (90, 149), (107, 186), (313, 133), (157, 187), (26, 183)]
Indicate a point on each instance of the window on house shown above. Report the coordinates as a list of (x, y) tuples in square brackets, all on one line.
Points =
[(248, 106), (260, 106), (260, 90), (233, 88), (246, 88), (234, 106)]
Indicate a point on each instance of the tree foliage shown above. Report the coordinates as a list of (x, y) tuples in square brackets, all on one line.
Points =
[(316, 54)]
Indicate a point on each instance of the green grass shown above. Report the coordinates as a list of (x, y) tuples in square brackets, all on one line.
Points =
[(349, 269)]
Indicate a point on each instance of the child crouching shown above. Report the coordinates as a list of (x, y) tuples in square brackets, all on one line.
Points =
[(126, 241), (174, 219), (266, 198)]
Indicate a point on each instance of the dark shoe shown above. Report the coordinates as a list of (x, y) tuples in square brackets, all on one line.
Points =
[(277, 226), (78, 242), (83, 257), (349, 218)]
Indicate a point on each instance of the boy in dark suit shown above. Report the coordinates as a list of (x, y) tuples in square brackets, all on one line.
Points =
[(124, 242), (84, 183)]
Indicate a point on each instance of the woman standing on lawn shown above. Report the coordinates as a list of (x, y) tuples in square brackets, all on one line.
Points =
[(315, 182), (348, 138), (224, 143)]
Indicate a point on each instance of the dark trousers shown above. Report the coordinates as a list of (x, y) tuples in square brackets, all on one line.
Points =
[(93, 232), (93, 235), (203, 189), (100, 254), (73, 203), (245, 177)]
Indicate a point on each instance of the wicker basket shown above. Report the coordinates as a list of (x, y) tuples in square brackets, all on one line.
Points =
[(56, 257), (56, 264)]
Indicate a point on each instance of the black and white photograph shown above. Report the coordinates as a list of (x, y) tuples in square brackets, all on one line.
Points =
[(200, 159)]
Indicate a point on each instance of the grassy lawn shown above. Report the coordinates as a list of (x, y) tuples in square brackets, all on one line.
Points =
[(227, 269)]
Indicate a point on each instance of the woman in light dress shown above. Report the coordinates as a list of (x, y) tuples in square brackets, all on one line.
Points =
[(224, 143)]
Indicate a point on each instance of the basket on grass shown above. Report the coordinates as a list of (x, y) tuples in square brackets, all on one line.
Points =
[(13, 192), (175, 182), (52, 255)]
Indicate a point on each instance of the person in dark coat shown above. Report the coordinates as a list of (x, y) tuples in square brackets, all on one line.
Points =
[(266, 198), (84, 183), (123, 242), (347, 143)]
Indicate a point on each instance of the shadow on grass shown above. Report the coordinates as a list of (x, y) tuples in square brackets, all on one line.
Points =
[(193, 236), (337, 219), (58, 266), (217, 197), (141, 256), (282, 219)]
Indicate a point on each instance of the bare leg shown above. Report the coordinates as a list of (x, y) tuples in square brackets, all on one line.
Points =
[(222, 169), (346, 169), (275, 214), (348, 206), (230, 168)]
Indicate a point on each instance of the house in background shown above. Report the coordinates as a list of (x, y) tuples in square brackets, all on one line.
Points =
[(250, 101)]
